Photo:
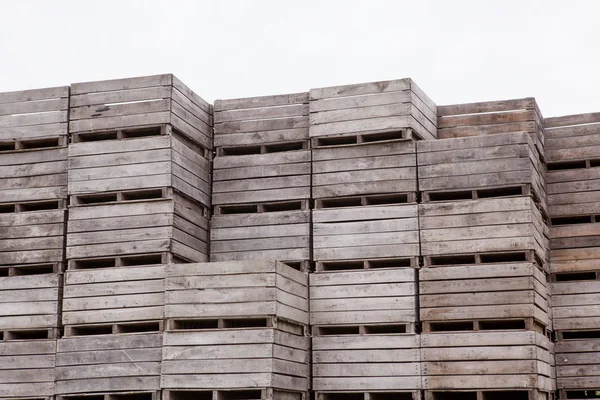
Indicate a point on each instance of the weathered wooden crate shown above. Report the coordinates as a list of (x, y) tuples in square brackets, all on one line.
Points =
[(262, 180), (31, 234), (371, 301), (486, 118), (221, 294), (484, 297), (27, 369), (29, 302), (367, 169), (507, 360), (482, 230), (108, 363), (262, 123), (350, 364), (248, 359), (370, 232), (578, 365), (575, 301), (370, 111), (129, 107), (481, 166), (115, 230), (114, 300), (245, 234), (118, 167)]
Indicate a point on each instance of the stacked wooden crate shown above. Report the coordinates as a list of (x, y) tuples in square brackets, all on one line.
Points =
[(573, 152), (33, 192), (484, 302), (261, 179), (365, 233), (236, 330), (139, 172)]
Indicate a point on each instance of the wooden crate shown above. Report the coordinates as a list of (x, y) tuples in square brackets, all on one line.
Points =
[(480, 164), (370, 111), (262, 179), (166, 222), (114, 300), (371, 362), (576, 301), (27, 369), (105, 363), (483, 230), (277, 235), (149, 163), (121, 107), (29, 303), (372, 300), (261, 121), (30, 236), (482, 297), (507, 360), (235, 359), (364, 169), (492, 117), (577, 366), (224, 293), (366, 233)]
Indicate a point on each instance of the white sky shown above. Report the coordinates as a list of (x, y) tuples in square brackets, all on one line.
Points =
[(456, 51)]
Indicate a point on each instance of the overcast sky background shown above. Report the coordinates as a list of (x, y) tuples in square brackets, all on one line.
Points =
[(456, 51)]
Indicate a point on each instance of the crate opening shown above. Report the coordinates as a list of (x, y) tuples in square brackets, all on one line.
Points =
[(341, 202), (385, 329), (137, 133), (395, 263), (446, 196), (84, 397), (380, 137), (190, 395), (241, 395), (282, 147), (456, 396), (40, 206), (583, 394), (27, 335), (241, 151), (575, 276), (91, 330), (284, 206), (343, 396), (96, 136), (503, 257), (391, 396), (571, 335), (389, 199), (341, 266), (4, 272), (582, 219), (245, 323), (139, 328), (195, 324), (7, 208), (594, 163), (97, 198), (565, 165), (146, 259), (508, 394), (34, 270), (8, 146), (337, 140), (502, 325), (500, 192), (240, 209), (452, 260), (338, 330), (130, 396), (40, 144), (142, 195), (451, 326), (93, 263)]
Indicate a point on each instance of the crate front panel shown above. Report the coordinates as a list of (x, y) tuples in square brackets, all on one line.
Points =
[(577, 364), (27, 368)]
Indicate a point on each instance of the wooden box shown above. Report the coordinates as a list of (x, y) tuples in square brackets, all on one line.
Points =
[(483, 230), (114, 300), (453, 168), (225, 293), (371, 232), (371, 301), (245, 235), (492, 117), (370, 111), (260, 122), (482, 297), (575, 301), (252, 358), (368, 169), (365, 363), (486, 361), (108, 363), (130, 107), (161, 222), (578, 366), (27, 369)]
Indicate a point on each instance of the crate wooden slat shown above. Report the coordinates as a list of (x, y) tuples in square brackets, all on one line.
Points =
[(261, 120), (364, 169), (103, 363), (235, 359), (486, 360), (491, 225), (376, 107), (369, 232), (577, 366), (362, 297), (242, 289), (111, 296), (491, 293), (174, 224), (280, 235), (486, 118), (132, 103), (260, 178), (481, 162), (27, 369), (389, 363)]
